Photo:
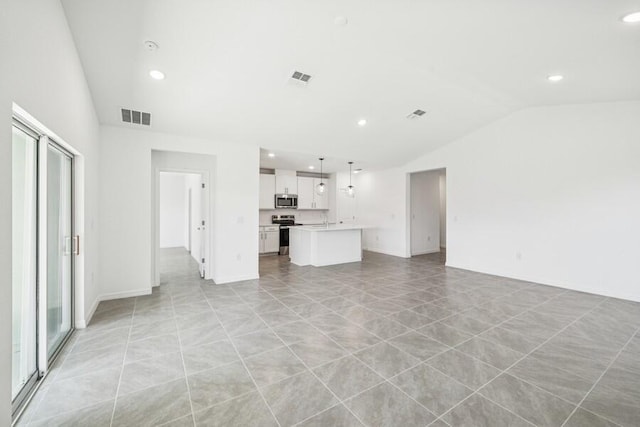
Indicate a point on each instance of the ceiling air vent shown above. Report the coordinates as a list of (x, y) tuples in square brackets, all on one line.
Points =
[(304, 78), (136, 117), (416, 114)]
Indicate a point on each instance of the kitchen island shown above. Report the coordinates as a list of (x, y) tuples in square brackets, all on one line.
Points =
[(320, 245)]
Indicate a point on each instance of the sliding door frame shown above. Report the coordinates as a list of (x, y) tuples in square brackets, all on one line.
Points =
[(43, 146), (30, 386), (43, 360)]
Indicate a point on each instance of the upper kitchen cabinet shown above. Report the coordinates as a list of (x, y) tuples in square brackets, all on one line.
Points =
[(305, 193), (286, 182), (307, 196), (267, 191)]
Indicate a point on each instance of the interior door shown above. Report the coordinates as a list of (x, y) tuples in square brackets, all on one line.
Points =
[(202, 230), (24, 265), (60, 249)]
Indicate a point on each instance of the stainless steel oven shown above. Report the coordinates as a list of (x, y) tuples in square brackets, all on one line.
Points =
[(284, 221), (286, 201)]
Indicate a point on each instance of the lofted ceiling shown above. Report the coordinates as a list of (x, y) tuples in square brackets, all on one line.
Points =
[(466, 63)]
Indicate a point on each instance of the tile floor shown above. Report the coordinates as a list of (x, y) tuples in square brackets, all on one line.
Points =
[(385, 342)]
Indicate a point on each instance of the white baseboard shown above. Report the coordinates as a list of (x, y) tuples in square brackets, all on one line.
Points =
[(81, 324), (126, 294), (231, 279), (381, 251), (629, 296), (431, 251)]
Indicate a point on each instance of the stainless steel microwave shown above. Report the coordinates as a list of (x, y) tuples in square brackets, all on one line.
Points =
[(286, 201)]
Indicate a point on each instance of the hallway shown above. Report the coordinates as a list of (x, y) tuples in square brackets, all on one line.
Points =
[(385, 342)]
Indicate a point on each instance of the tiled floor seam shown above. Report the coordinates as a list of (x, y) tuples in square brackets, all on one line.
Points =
[(184, 368), (477, 391), (124, 358), (311, 370), (600, 378), (235, 348)]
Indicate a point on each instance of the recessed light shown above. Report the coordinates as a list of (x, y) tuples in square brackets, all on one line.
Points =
[(632, 18), (341, 21), (271, 155), (155, 74), (362, 122), (555, 78), (312, 167), (357, 171)]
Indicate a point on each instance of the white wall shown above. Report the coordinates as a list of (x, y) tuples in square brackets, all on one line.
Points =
[(383, 209), (443, 209), (34, 34), (345, 205), (425, 212), (173, 210), (126, 174), (560, 186)]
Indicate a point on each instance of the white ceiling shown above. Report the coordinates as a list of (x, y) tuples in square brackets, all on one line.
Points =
[(465, 63), (301, 162)]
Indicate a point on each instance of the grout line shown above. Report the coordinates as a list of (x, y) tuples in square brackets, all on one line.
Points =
[(600, 378), (309, 369), (124, 358), (184, 367), (243, 364), (527, 355)]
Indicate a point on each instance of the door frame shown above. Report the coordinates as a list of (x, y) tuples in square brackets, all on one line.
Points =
[(43, 146), (409, 217), (207, 200), (45, 136)]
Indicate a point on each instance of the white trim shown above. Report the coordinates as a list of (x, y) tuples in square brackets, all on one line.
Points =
[(623, 296), (381, 251), (430, 251), (125, 294), (83, 323), (232, 279)]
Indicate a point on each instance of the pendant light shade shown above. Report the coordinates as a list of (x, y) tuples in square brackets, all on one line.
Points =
[(351, 190), (321, 188)]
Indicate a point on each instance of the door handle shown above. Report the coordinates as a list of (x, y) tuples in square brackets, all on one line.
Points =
[(76, 245)]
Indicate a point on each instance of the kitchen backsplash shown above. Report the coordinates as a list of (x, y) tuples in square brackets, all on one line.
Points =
[(301, 216)]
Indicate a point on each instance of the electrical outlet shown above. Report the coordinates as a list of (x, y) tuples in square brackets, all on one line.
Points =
[(377, 238), (519, 256), (239, 257), (428, 238)]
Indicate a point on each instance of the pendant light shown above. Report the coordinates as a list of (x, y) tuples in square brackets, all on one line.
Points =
[(351, 190), (321, 188)]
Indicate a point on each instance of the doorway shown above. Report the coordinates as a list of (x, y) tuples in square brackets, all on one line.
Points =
[(181, 220), (428, 212), (43, 256)]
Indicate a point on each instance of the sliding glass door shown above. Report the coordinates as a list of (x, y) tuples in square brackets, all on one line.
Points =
[(24, 263), (59, 247), (42, 257)]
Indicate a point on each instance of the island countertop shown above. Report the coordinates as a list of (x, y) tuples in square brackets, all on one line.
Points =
[(320, 245), (330, 227)]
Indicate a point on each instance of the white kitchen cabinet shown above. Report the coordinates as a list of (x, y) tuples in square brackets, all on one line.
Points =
[(269, 238), (267, 191), (306, 192), (286, 182), (307, 196)]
